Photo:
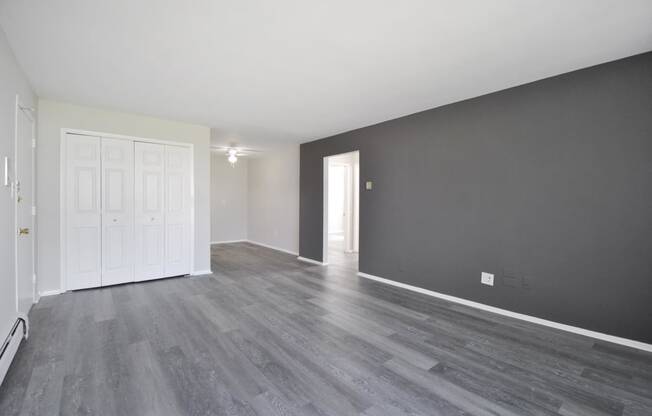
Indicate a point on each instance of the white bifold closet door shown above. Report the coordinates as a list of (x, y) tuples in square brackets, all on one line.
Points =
[(150, 214), (83, 212), (178, 198), (163, 210), (117, 211), (128, 211)]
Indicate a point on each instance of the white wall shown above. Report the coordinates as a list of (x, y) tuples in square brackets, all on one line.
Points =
[(273, 199), (12, 82), (337, 189), (228, 199), (53, 116)]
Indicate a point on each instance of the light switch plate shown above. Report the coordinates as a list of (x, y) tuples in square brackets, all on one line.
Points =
[(487, 279), (368, 185)]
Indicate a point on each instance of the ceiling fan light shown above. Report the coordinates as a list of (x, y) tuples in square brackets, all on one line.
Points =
[(232, 159)]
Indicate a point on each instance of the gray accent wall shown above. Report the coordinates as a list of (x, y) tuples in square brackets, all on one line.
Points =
[(547, 185)]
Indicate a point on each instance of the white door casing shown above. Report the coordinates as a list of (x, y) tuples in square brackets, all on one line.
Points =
[(350, 162), (348, 209), (356, 204), (150, 211), (24, 202), (83, 212), (177, 210), (117, 211)]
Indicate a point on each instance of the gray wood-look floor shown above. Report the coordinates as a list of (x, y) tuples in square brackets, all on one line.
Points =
[(268, 335), (338, 256)]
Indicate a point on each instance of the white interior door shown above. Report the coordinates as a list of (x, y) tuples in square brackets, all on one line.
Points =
[(178, 200), (117, 211), (149, 210), (25, 284), (83, 215)]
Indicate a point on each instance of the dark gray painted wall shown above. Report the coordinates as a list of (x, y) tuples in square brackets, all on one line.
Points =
[(547, 185)]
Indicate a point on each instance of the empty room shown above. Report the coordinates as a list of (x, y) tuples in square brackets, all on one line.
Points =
[(299, 208)]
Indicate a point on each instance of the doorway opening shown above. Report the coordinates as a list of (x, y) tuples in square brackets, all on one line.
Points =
[(342, 209)]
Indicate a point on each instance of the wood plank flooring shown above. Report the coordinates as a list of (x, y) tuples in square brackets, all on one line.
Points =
[(268, 335), (338, 256)]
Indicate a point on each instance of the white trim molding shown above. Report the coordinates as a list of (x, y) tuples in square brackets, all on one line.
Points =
[(228, 241), (272, 247), (568, 328), (200, 273), (311, 261), (50, 293), (258, 244)]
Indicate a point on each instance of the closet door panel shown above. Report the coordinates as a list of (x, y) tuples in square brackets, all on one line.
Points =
[(178, 201), (117, 211), (150, 214), (83, 212)]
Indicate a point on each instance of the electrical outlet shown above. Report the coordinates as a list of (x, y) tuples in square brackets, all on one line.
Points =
[(487, 279)]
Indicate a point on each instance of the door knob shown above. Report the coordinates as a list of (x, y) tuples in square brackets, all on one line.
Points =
[(23, 231)]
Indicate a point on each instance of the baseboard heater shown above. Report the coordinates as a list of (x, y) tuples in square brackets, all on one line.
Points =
[(10, 346)]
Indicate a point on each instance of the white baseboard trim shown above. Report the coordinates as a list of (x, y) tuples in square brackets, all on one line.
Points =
[(227, 241), (201, 272), (258, 243), (568, 328), (50, 293), (272, 247), (311, 261)]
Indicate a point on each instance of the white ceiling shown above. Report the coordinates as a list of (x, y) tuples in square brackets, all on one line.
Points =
[(271, 72)]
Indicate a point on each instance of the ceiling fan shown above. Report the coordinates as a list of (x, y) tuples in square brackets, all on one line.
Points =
[(232, 153)]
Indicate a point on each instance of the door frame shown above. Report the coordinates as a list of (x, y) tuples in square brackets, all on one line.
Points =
[(63, 191), (350, 205), (324, 211), (27, 111)]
